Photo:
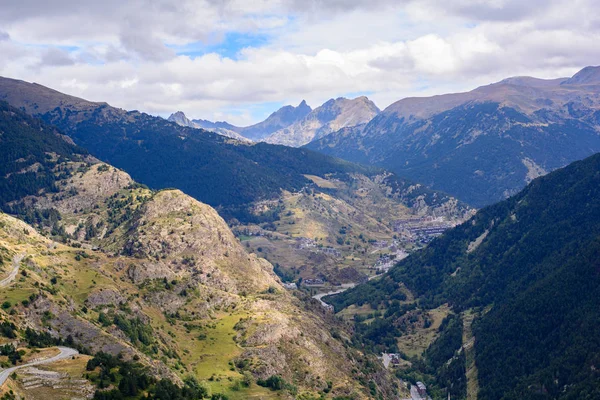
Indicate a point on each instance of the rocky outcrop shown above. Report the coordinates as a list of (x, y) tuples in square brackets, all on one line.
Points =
[(180, 119), (332, 116), (280, 119), (179, 236)]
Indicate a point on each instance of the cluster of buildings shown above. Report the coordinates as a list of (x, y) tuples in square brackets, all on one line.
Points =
[(422, 229), (313, 281), (305, 243), (387, 261), (310, 244)]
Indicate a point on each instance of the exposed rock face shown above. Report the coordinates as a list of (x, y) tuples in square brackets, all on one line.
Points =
[(86, 188), (484, 145), (186, 237), (180, 119), (280, 119), (330, 117)]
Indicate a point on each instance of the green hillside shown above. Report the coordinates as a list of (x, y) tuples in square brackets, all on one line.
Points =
[(532, 261)]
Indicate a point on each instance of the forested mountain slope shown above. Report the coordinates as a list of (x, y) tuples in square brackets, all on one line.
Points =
[(484, 145), (109, 265), (529, 265), (219, 171)]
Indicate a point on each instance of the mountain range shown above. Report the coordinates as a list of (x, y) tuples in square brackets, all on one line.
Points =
[(155, 278), (214, 169), (294, 126), (279, 119), (484, 145), (179, 261), (275, 195)]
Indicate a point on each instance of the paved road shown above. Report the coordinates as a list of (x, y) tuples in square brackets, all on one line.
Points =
[(65, 352), (13, 272), (343, 289)]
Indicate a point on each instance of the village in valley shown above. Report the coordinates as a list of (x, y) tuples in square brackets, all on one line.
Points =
[(311, 259)]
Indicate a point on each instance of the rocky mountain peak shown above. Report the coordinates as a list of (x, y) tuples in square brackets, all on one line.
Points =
[(333, 115), (180, 119)]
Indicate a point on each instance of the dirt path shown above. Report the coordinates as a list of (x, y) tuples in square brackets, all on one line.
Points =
[(13, 272), (65, 352)]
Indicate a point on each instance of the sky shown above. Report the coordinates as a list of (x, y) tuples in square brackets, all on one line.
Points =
[(239, 60)]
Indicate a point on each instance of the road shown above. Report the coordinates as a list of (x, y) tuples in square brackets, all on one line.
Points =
[(414, 394), (65, 352), (13, 272), (343, 289)]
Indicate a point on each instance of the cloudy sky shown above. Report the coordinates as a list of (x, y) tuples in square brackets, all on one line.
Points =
[(238, 60)]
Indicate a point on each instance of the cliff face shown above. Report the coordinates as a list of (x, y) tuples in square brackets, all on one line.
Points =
[(330, 117)]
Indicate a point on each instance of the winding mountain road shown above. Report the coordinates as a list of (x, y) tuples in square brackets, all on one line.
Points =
[(344, 287), (13, 272), (65, 352)]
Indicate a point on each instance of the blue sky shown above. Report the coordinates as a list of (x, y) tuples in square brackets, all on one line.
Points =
[(228, 46)]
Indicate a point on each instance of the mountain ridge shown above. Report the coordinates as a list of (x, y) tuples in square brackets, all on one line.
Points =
[(484, 145), (279, 119), (329, 117), (158, 277)]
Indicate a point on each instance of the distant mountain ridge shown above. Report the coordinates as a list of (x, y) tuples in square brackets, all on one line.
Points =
[(294, 126), (279, 119), (216, 170), (222, 128), (484, 145), (335, 114)]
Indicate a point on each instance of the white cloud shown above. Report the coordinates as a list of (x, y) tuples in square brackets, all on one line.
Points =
[(122, 52)]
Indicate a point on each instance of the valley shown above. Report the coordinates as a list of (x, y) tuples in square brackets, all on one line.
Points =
[(110, 266), (343, 229), (299, 200), (503, 287)]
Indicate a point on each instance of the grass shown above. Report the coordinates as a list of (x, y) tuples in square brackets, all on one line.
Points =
[(40, 354), (321, 182), (414, 344), (16, 294), (348, 313), (211, 358)]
